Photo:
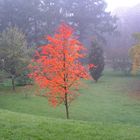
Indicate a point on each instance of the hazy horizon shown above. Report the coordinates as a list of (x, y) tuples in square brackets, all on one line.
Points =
[(114, 4)]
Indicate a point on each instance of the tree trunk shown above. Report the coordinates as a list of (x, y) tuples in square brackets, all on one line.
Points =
[(66, 106), (65, 88), (13, 82)]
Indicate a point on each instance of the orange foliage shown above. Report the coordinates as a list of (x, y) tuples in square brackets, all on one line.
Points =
[(56, 66)]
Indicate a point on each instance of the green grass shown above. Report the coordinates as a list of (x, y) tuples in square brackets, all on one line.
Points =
[(17, 126), (108, 110)]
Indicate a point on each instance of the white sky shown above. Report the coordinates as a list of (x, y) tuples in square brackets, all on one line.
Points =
[(113, 4)]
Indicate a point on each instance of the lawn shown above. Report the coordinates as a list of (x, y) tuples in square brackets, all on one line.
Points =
[(18, 126), (109, 109)]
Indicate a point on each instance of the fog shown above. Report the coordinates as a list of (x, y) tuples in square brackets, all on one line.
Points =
[(114, 4)]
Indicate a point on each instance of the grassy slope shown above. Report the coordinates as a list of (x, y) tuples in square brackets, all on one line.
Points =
[(108, 103), (18, 126)]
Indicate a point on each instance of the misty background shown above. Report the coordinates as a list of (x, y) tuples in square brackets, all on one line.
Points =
[(95, 23), (37, 18)]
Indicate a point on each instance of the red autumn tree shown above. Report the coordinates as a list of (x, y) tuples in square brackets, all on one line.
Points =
[(56, 66)]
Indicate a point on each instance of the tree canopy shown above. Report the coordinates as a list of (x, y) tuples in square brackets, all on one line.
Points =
[(56, 66), (41, 17), (13, 52)]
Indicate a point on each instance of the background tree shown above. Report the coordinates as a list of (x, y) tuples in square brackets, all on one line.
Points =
[(96, 57), (135, 54), (90, 18), (41, 17), (13, 52), (121, 63), (17, 12), (119, 43), (56, 66)]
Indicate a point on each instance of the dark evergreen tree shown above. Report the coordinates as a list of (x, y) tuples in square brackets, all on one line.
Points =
[(96, 57)]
